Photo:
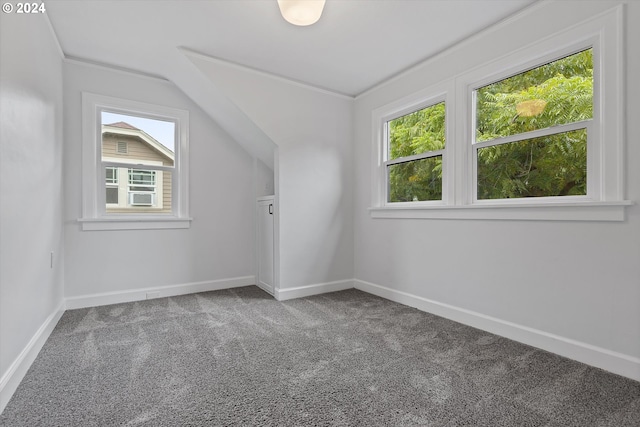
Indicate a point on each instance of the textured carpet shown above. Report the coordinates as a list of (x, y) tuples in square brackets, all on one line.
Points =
[(238, 357)]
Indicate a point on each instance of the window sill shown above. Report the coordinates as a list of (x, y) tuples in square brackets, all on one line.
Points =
[(137, 223), (574, 211)]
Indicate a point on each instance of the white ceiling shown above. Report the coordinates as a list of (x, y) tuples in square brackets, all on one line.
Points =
[(355, 45)]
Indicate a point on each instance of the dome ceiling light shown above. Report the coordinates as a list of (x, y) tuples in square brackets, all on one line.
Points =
[(301, 12)]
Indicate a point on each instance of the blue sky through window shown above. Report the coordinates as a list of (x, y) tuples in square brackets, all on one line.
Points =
[(162, 131)]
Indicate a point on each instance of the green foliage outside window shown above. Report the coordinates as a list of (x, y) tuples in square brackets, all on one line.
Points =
[(557, 93), (416, 133)]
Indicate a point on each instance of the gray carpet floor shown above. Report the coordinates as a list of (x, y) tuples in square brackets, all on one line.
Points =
[(238, 357)]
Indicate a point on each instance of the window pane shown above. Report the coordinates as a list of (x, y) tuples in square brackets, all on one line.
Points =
[(554, 165), (557, 93), (112, 195), (416, 180), (137, 140), (417, 133)]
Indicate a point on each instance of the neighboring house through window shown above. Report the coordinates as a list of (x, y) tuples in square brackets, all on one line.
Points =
[(135, 160), (139, 190)]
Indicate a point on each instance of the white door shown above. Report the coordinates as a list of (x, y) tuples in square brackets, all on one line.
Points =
[(265, 243)]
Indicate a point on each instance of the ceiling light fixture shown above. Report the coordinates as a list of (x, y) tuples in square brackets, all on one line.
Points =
[(301, 12)]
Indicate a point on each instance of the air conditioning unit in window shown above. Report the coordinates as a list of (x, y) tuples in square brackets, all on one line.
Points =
[(141, 199)]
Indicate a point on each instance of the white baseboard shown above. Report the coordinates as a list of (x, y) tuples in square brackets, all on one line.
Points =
[(309, 290), (618, 363), (16, 372), (95, 300)]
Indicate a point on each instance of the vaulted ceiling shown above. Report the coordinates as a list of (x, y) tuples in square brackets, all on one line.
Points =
[(355, 45)]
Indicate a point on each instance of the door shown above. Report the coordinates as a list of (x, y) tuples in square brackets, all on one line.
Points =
[(265, 242)]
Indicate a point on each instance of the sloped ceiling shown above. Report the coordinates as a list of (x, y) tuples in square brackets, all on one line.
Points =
[(356, 45)]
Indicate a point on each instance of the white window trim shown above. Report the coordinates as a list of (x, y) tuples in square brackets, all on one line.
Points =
[(606, 172), (410, 104), (94, 216)]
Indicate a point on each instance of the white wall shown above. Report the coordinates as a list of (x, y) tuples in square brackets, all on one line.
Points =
[(577, 280), (219, 244), (312, 129), (31, 291), (264, 179)]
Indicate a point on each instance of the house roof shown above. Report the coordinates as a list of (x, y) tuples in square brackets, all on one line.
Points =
[(123, 125), (123, 128)]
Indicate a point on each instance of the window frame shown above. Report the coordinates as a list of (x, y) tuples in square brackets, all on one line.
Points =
[(605, 142), (591, 125), (94, 214), (382, 116), (431, 102)]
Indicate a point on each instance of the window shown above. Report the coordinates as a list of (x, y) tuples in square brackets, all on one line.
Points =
[(111, 195), (536, 135), (135, 165), (415, 146), (142, 188), (531, 131)]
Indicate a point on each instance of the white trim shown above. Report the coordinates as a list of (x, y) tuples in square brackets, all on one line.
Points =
[(516, 210), (93, 203), (440, 93), (606, 170), (56, 41), (478, 35), (110, 67), (144, 222), (608, 360), (315, 289), (118, 297), (13, 376)]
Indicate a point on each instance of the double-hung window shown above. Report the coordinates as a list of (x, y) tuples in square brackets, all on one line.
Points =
[(531, 131), (135, 160), (536, 134), (415, 144)]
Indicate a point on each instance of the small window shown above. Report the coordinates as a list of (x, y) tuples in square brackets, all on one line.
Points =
[(415, 149), (111, 183), (531, 131), (141, 168)]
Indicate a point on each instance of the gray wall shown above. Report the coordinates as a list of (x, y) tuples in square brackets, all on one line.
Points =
[(31, 194), (313, 132), (219, 244)]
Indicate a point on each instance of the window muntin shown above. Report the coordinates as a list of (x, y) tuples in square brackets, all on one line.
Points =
[(526, 143), (415, 144)]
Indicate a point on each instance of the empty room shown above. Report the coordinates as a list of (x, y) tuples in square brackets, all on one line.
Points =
[(323, 213)]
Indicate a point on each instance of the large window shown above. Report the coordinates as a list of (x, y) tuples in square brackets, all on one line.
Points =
[(135, 165), (531, 131), (535, 134)]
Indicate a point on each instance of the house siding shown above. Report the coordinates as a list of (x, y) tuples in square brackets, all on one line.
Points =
[(139, 150)]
